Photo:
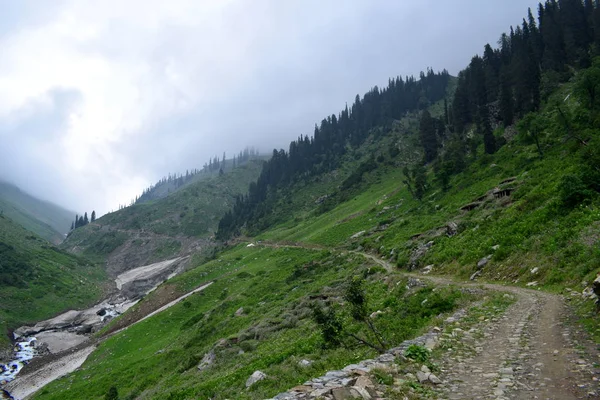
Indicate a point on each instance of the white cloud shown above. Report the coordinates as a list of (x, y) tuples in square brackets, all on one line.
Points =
[(156, 86)]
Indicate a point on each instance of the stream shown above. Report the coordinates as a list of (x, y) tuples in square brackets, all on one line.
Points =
[(73, 328), (23, 352)]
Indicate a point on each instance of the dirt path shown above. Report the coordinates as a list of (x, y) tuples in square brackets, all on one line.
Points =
[(525, 354), (531, 352)]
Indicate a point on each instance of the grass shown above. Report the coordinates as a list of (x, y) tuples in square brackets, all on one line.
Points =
[(45, 219), (39, 280), (158, 357), (192, 211), (531, 229)]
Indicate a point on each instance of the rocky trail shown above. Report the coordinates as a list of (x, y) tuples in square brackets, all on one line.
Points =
[(531, 350), (534, 350)]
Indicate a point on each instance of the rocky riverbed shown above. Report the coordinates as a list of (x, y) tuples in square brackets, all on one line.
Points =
[(72, 329)]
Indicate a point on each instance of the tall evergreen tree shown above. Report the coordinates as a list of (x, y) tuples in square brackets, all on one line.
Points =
[(93, 216), (489, 141), (85, 219), (506, 101), (428, 136)]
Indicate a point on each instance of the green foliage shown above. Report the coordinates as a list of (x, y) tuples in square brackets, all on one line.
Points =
[(112, 394), (382, 377), (330, 324), (573, 190), (415, 180), (38, 280), (45, 219), (16, 268), (355, 296), (417, 353)]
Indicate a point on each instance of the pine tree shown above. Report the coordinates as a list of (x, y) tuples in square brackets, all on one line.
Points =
[(85, 219), (506, 101), (489, 141), (93, 216), (72, 225), (428, 136)]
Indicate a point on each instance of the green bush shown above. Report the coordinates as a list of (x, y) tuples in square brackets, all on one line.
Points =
[(573, 191), (417, 353)]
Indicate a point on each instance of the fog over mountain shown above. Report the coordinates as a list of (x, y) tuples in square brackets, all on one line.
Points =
[(100, 99)]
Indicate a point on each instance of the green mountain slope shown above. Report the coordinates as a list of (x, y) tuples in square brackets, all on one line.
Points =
[(38, 281), (257, 313), (45, 219), (505, 188), (159, 229)]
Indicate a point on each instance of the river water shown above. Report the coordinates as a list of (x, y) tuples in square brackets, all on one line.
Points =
[(24, 351)]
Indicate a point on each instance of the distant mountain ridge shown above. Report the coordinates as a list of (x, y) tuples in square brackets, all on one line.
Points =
[(44, 218)]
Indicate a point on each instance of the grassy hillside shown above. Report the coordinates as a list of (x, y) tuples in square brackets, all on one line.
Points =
[(159, 229), (167, 187), (524, 212), (38, 280), (256, 315), (45, 219), (528, 214), (535, 227)]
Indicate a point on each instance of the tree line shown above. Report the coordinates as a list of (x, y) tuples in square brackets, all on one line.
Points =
[(82, 220), (336, 134), (494, 91), (172, 182)]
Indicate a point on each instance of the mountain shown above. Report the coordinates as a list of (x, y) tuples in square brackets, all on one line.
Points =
[(45, 219), (38, 280), (180, 223), (371, 232)]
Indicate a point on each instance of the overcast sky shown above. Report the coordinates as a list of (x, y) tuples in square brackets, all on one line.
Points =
[(99, 99)]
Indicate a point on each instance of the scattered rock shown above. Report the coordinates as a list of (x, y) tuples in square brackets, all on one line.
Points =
[(434, 379), (257, 376), (483, 262), (451, 229), (427, 269), (532, 284), (495, 247), (357, 235), (596, 290), (475, 275), (345, 393), (239, 312), (534, 270), (207, 360), (321, 199), (422, 377), (304, 363)]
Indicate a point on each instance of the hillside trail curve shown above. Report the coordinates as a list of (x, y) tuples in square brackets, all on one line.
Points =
[(533, 351)]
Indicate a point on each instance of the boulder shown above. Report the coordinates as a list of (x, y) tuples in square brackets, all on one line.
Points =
[(434, 379), (422, 377), (304, 363), (207, 360), (345, 393), (357, 235), (257, 376), (475, 275), (239, 312), (483, 262)]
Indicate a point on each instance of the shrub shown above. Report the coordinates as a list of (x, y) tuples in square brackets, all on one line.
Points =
[(112, 394), (573, 191), (417, 353)]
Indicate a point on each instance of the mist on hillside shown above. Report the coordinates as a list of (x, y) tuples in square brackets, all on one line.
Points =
[(131, 92)]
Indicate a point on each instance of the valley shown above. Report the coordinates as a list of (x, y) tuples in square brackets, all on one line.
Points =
[(437, 238)]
